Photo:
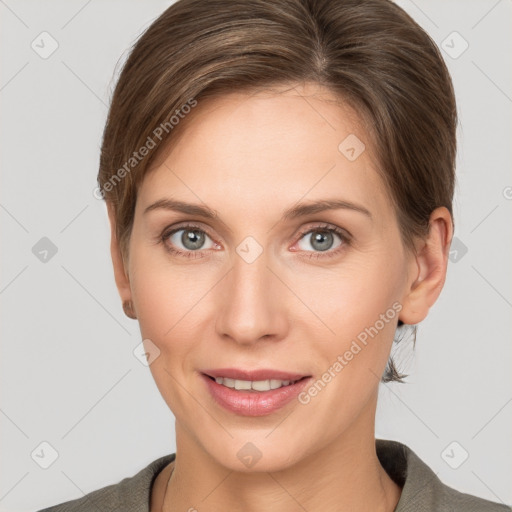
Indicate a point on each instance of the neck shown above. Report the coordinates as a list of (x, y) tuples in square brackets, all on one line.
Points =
[(344, 475)]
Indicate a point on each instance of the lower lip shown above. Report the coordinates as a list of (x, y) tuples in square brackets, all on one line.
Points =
[(254, 403)]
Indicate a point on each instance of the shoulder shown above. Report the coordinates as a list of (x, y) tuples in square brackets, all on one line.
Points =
[(422, 490), (132, 494)]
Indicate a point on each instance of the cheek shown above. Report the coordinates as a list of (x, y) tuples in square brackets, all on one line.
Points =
[(167, 299), (161, 292), (359, 303), (174, 304), (354, 295)]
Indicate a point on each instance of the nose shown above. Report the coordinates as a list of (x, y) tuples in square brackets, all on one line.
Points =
[(251, 302)]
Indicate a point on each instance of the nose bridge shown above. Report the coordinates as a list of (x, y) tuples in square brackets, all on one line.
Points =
[(250, 306)]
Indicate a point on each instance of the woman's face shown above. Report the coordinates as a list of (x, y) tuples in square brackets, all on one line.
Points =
[(253, 288)]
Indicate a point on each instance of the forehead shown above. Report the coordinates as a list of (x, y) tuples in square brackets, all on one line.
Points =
[(269, 148)]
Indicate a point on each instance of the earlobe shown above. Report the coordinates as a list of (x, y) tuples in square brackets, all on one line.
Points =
[(120, 271), (430, 262)]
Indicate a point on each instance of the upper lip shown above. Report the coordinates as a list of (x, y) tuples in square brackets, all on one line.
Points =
[(253, 375)]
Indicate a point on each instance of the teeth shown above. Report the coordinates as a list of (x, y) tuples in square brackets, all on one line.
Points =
[(255, 385)]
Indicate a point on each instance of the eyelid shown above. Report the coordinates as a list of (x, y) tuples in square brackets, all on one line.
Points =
[(184, 225), (343, 233), (303, 231)]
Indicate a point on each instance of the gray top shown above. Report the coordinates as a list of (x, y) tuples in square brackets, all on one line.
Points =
[(422, 491)]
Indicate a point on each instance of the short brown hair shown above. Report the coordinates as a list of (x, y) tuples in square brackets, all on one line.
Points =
[(369, 53)]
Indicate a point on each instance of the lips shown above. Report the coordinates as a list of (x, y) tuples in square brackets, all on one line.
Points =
[(245, 402), (253, 375)]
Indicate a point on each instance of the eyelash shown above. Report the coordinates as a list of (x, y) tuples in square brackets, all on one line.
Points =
[(345, 239)]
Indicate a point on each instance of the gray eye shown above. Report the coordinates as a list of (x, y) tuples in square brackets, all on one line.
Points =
[(190, 239), (320, 240)]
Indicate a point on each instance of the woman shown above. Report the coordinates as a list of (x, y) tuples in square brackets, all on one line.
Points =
[(279, 179)]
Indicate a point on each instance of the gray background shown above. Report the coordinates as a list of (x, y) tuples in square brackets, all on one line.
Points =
[(69, 377)]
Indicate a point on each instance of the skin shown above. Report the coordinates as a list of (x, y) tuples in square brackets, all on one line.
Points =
[(250, 157)]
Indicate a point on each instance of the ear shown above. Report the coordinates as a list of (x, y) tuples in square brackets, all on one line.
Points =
[(429, 265), (120, 270)]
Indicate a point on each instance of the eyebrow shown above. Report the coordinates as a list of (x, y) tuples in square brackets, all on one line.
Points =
[(299, 210)]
